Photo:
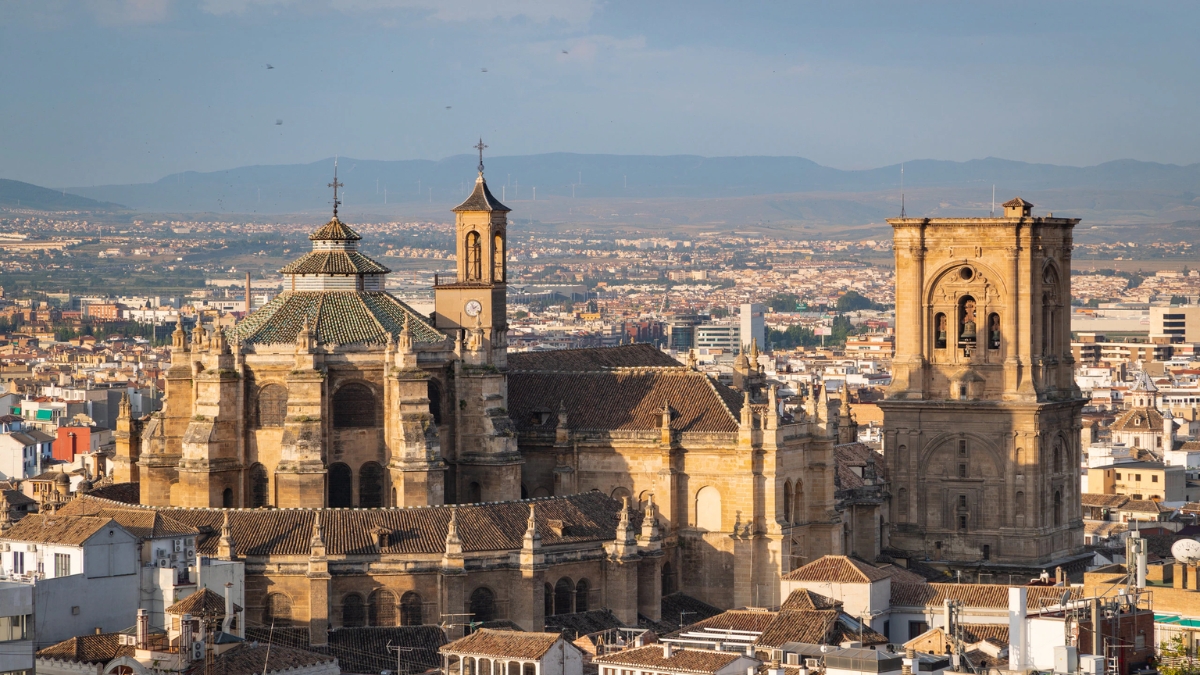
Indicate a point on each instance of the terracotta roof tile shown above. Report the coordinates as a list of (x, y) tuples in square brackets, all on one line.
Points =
[(851, 455), (100, 648), (253, 658), (1103, 501), (504, 643), (335, 230), (589, 516), (838, 569), (364, 649), (56, 529), (143, 524), (481, 199), (334, 262), (805, 599), (1138, 419), (994, 596), (682, 659), (624, 399), (130, 493), (203, 604)]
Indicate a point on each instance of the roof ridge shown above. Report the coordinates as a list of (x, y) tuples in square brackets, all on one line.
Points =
[(375, 319)]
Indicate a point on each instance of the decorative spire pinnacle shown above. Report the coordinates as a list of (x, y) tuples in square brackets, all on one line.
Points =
[(226, 548), (318, 539), (125, 411), (335, 185), (562, 414), (533, 539), (650, 537), (452, 556), (480, 147)]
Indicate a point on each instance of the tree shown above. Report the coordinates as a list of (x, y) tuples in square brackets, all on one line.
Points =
[(1174, 659), (853, 301)]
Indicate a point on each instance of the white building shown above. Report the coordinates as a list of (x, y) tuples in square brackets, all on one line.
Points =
[(487, 651), (16, 627), (667, 659), (23, 454), (753, 325)]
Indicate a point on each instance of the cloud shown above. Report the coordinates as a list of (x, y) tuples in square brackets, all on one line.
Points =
[(539, 11)]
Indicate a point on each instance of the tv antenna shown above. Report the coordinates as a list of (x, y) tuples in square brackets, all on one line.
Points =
[(902, 190), (335, 185)]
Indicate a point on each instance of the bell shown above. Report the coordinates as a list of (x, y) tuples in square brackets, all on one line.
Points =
[(968, 332)]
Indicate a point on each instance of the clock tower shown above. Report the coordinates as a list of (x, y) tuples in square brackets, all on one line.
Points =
[(476, 299), (484, 463)]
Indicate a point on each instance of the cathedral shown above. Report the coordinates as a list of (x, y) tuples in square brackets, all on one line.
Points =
[(346, 446)]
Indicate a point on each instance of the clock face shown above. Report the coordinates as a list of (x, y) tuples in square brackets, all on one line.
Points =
[(473, 308)]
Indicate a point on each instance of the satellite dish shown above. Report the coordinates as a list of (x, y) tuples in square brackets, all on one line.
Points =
[(1186, 551)]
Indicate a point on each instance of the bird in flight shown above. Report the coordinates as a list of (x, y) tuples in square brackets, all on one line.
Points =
[(565, 51), (448, 107), (483, 70), (278, 123), (270, 67)]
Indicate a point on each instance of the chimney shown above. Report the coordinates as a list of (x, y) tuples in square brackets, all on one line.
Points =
[(143, 628), (248, 302), (750, 651), (668, 650), (775, 669), (227, 624), (639, 641)]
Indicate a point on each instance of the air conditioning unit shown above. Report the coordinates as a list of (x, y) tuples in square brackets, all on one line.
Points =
[(164, 563), (32, 548), (191, 553), (197, 651), (5, 547), (793, 659), (178, 545), (160, 553), (812, 664)]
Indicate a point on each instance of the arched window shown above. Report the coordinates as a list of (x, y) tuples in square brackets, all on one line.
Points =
[(354, 613), (564, 596), (498, 259), (1020, 505), (548, 599), (271, 410), (260, 486), (435, 401), (227, 498), (474, 257), (787, 502), (799, 515), (708, 509), (482, 605), (902, 503), (411, 609), (668, 579), (341, 486), (383, 608), (354, 406), (581, 596), (1058, 505), (940, 329), (621, 493), (474, 493), (278, 611), (993, 331), (1057, 456), (967, 329), (370, 486)]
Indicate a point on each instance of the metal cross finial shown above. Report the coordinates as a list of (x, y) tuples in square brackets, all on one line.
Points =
[(335, 185), (480, 147)]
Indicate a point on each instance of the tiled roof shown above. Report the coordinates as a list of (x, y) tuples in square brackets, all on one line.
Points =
[(735, 619), (335, 317), (682, 659), (335, 230), (1145, 506), (100, 648), (1103, 501), (992, 596), (1101, 528), (674, 606), (810, 626), (586, 517), (203, 604), (481, 199), (365, 650), (592, 358), (334, 262), (504, 643), (805, 599), (582, 623), (143, 524), (837, 569), (15, 498), (260, 658), (900, 574), (623, 399), (1016, 201), (1138, 419), (56, 529), (130, 493), (851, 455)]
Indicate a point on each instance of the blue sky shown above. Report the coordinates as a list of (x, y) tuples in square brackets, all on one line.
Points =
[(117, 91)]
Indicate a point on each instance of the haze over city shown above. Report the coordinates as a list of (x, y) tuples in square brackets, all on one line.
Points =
[(599, 338)]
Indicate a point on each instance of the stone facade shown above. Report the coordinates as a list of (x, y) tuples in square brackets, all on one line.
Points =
[(982, 420)]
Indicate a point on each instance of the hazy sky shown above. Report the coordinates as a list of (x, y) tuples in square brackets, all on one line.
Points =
[(116, 91)]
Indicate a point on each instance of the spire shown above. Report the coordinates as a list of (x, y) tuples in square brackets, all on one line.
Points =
[(335, 185), (533, 540), (773, 405), (452, 557), (754, 353), (406, 341), (562, 414), (317, 543), (480, 147), (226, 548), (691, 359), (624, 545), (650, 536), (747, 414), (178, 337), (125, 411)]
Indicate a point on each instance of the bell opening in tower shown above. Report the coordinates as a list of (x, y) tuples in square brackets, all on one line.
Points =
[(966, 324)]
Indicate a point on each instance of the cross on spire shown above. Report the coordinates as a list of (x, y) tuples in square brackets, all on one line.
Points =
[(480, 147), (335, 185)]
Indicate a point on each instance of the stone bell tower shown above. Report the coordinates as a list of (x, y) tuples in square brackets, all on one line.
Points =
[(486, 465), (982, 420)]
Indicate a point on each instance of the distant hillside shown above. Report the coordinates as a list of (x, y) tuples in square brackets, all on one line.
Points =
[(302, 187), (18, 195)]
